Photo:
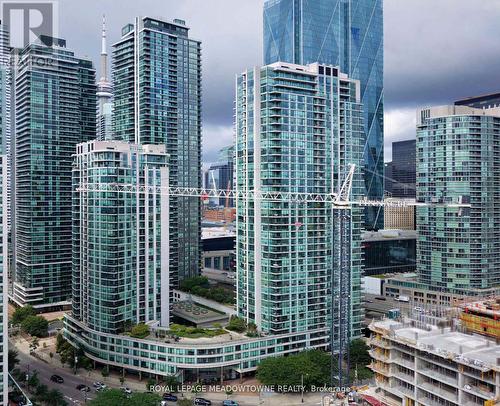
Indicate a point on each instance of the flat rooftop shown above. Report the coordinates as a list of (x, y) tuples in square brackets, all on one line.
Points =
[(195, 313), (388, 235), (470, 349)]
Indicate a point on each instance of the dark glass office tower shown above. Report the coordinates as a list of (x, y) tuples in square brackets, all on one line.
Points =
[(344, 33), (157, 100), (404, 169), (55, 109)]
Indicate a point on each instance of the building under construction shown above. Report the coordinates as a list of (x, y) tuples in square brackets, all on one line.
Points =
[(482, 317)]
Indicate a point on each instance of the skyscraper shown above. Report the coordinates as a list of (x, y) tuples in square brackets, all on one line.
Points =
[(404, 163), (297, 130), (343, 33), (157, 100), (55, 104), (4, 316), (104, 94), (458, 162), (221, 175), (120, 240)]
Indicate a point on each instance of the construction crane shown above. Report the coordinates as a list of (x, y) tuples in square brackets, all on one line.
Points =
[(341, 276)]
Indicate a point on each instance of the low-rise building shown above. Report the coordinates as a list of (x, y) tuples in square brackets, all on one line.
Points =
[(400, 217), (417, 364)]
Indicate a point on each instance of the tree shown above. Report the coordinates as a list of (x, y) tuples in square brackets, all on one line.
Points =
[(105, 372), (311, 366), (184, 402), (150, 383), (55, 398), (13, 359), (35, 343), (358, 353), (140, 331), (115, 397), (41, 392), (172, 383), (33, 380), (187, 285), (236, 324), (21, 313), (35, 326), (51, 355)]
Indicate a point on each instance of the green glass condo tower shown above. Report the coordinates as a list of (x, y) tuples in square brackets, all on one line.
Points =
[(458, 161), (120, 240), (157, 100), (4, 316), (297, 130), (55, 109), (344, 33)]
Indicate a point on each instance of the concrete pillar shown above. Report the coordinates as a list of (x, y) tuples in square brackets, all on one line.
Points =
[(461, 383), (497, 385), (140, 375), (222, 376)]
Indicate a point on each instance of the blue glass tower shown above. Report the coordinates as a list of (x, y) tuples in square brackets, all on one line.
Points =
[(344, 33)]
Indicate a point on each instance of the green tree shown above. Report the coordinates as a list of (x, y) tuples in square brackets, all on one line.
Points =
[(51, 355), (312, 366), (150, 383), (41, 392), (115, 397), (122, 380), (105, 372), (236, 324), (22, 313), (172, 383), (55, 398), (140, 331), (358, 353), (184, 402), (188, 284), (13, 359), (33, 380), (35, 326)]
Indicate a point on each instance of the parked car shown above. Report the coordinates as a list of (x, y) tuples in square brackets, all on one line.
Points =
[(97, 384), (229, 403), (57, 379), (169, 397), (202, 402), (101, 388), (126, 390), (83, 388)]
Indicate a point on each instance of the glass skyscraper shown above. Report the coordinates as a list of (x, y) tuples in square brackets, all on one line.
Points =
[(458, 161), (4, 303), (120, 240), (344, 33), (55, 109), (403, 174), (297, 130), (157, 100)]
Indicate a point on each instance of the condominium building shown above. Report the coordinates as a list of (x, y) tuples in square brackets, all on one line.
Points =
[(343, 33), (55, 109), (4, 315), (417, 364), (220, 176), (157, 100), (458, 163), (120, 239), (297, 130)]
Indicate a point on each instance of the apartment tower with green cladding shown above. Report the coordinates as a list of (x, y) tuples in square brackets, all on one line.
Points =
[(55, 109), (297, 130), (120, 239), (458, 162), (157, 100)]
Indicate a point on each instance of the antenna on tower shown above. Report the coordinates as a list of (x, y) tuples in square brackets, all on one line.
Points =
[(104, 52)]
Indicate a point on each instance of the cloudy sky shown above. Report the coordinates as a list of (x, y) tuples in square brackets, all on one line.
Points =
[(435, 51)]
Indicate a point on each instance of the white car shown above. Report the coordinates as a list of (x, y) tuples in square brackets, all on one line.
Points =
[(126, 390)]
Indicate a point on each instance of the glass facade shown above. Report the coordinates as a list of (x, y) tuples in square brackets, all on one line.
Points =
[(222, 174), (404, 163), (157, 63), (344, 33), (55, 110), (297, 129), (4, 316), (389, 256), (458, 162), (120, 239)]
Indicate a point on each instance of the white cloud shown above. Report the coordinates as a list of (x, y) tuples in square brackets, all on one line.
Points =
[(216, 137), (399, 125)]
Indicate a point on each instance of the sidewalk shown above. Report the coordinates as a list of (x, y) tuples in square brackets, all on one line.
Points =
[(131, 381)]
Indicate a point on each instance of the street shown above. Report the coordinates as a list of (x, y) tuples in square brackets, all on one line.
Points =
[(45, 371)]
